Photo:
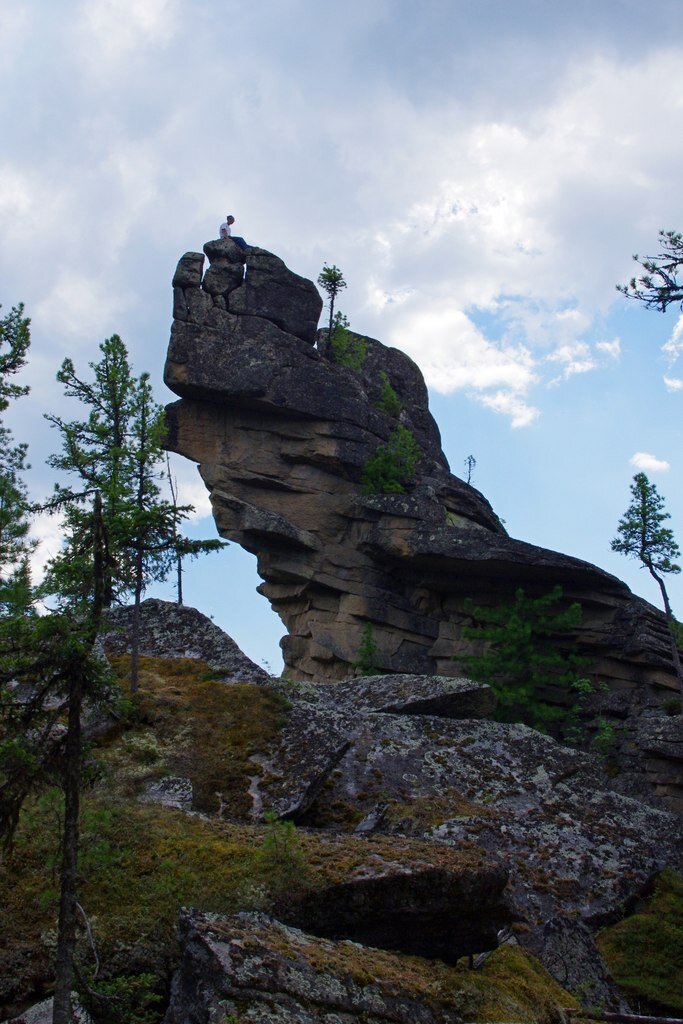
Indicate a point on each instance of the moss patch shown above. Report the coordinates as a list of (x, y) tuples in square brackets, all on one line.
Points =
[(424, 812), (194, 726), (644, 952), (514, 986)]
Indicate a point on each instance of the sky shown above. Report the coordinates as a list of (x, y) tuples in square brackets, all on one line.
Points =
[(482, 171)]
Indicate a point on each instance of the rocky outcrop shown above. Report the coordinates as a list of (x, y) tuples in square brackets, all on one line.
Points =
[(282, 434), (252, 967), (169, 630), (400, 766)]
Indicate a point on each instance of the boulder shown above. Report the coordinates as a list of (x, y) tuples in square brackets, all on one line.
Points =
[(254, 967), (430, 911), (169, 630)]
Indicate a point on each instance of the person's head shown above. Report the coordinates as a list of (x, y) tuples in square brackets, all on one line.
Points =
[(230, 219)]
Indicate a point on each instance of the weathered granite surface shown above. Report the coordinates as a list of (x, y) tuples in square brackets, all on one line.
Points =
[(260, 970)]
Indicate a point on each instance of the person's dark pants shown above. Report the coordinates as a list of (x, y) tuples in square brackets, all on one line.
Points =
[(239, 241)]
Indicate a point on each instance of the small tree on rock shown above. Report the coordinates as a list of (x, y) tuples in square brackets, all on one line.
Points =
[(642, 535), (331, 280)]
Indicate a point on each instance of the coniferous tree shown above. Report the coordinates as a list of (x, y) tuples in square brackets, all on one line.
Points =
[(642, 535), (47, 671), (117, 451), (15, 545), (527, 649), (94, 450), (332, 281)]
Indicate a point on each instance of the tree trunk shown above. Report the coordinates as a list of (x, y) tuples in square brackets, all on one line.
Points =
[(135, 631), (179, 567), (675, 654), (329, 330), (66, 931)]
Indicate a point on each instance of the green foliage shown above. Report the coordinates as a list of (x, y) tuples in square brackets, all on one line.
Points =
[(126, 999), (332, 281), (393, 465), (46, 657), (116, 454), (15, 545), (659, 286), (644, 952), (388, 401), (367, 652), (640, 533), (15, 339), (282, 861), (605, 738), (524, 656), (280, 844), (347, 348)]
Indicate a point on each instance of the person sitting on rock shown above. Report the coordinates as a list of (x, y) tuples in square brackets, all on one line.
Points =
[(225, 231)]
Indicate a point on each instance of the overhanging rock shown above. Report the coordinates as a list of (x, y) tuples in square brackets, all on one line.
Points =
[(282, 434)]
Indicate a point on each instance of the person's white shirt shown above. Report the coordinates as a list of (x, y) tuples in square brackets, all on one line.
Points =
[(224, 230)]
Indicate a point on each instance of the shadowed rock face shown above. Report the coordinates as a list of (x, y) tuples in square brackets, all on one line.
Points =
[(282, 434)]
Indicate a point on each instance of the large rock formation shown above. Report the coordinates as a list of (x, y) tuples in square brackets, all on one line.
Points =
[(282, 434)]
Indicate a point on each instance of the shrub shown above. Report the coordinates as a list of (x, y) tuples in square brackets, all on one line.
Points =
[(393, 464), (388, 401), (367, 652), (347, 348)]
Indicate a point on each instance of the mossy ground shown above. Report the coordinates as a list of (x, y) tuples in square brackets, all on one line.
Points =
[(644, 952), (140, 863), (189, 724)]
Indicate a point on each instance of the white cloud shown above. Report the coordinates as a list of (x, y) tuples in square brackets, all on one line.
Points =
[(576, 358), (112, 29), (453, 354), (646, 462), (610, 348), (521, 414), (674, 346), (191, 488), (673, 383), (82, 308)]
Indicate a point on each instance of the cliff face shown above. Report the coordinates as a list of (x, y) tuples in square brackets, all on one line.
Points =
[(282, 434)]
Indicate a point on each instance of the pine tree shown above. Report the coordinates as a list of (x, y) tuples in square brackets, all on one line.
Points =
[(15, 545), (332, 281), (526, 651), (642, 535)]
